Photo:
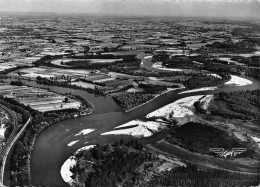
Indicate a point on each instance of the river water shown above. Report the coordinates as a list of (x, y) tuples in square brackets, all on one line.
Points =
[(51, 147)]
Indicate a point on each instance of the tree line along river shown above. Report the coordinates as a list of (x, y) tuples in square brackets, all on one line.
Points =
[(51, 147)]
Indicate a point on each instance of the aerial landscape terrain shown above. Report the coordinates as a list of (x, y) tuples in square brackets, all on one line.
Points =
[(88, 100)]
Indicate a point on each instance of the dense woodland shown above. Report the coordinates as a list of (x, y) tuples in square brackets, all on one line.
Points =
[(250, 61), (102, 56), (208, 63), (153, 88), (16, 83), (111, 165), (203, 80), (147, 73), (229, 47), (253, 72), (192, 176), (127, 62), (238, 105), (19, 108), (182, 61), (130, 100), (222, 68), (200, 138), (250, 30)]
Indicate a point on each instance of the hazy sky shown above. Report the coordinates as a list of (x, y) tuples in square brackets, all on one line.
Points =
[(227, 8)]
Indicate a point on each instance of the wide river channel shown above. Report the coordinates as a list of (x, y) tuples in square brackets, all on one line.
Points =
[(51, 147)]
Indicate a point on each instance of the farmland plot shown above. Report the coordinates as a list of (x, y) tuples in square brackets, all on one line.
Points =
[(46, 72), (85, 84), (38, 99)]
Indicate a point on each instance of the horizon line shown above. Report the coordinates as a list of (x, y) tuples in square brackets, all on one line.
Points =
[(130, 15)]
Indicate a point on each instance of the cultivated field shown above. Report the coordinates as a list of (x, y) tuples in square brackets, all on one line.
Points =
[(18, 62), (99, 78), (51, 72), (85, 84), (38, 99)]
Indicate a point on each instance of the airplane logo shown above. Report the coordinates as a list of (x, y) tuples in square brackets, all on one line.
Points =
[(224, 153)]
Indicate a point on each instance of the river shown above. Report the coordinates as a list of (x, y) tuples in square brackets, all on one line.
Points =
[(51, 147)]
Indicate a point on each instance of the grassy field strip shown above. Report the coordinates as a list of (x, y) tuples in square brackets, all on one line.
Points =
[(22, 90), (104, 80), (31, 96), (48, 107), (39, 99), (37, 103), (52, 72), (38, 93), (161, 82), (85, 84), (98, 77), (8, 87), (29, 92), (57, 104), (104, 60)]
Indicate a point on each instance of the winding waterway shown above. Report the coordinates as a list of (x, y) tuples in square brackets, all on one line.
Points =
[(51, 148)]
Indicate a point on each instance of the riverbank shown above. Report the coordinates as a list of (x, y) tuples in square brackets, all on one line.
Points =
[(158, 95)]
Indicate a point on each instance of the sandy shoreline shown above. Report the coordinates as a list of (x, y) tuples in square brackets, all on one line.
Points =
[(178, 109), (199, 89), (256, 140), (238, 81), (215, 75), (2, 131), (205, 101), (141, 129), (70, 162)]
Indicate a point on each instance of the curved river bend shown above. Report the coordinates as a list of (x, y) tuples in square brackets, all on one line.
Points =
[(51, 147)]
